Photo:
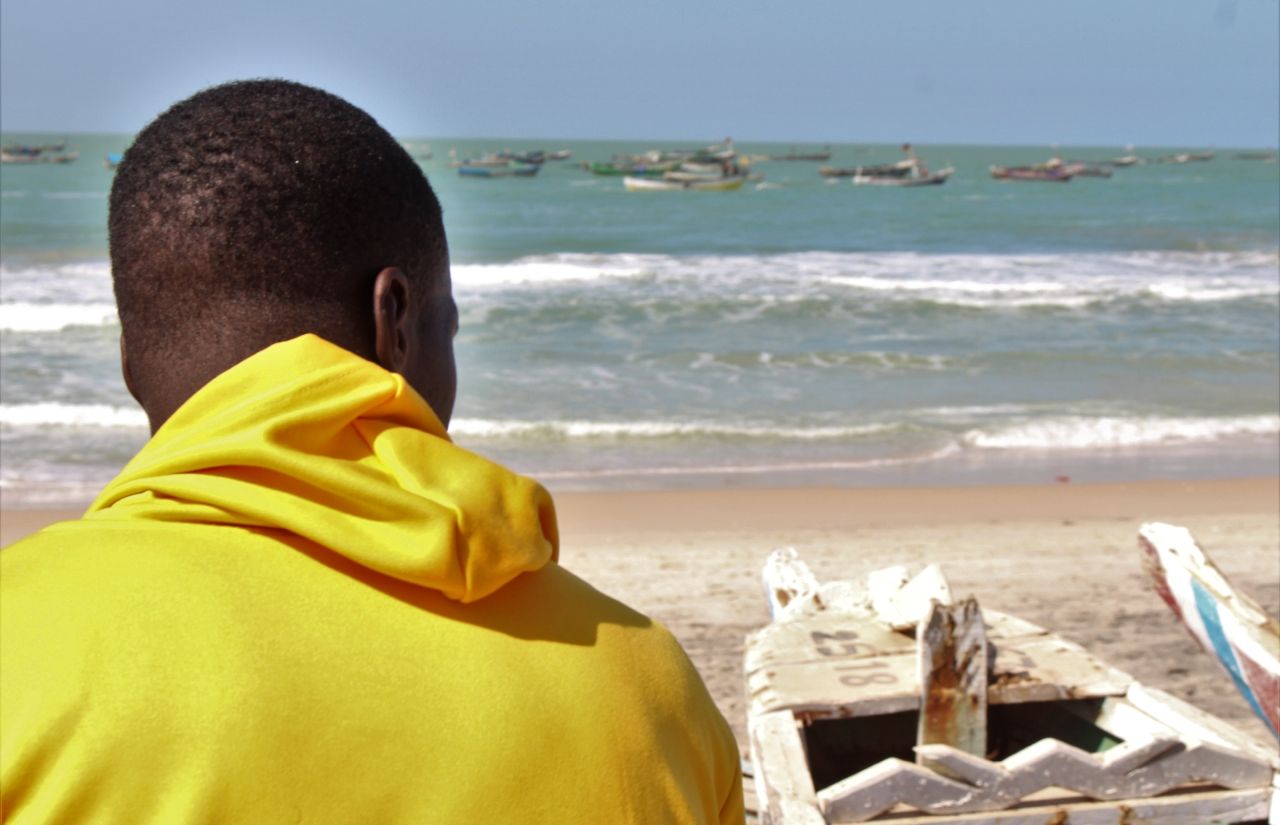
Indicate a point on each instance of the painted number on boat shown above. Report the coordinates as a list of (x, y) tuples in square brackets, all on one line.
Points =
[(840, 643), (854, 674)]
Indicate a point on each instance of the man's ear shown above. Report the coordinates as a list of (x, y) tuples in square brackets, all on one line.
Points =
[(129, 383), (391, 339)]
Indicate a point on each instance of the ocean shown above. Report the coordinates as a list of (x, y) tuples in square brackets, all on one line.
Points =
[(798, 331)]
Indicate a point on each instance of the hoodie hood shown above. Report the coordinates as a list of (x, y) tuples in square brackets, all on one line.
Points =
[(308, 438)]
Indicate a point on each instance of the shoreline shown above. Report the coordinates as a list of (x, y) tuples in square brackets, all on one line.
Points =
[(1062, 555), (591, 513)]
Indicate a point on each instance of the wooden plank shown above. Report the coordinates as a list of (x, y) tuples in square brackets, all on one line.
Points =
[(968, 783), (1035, 669), (903, 603), (787, 580), (825, 636), (1048, 668), (1117, 716), (1192, 808), (783, 787), (952, 658), (1192, 723)]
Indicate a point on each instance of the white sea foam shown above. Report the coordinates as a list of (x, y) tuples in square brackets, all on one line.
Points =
[(78, 282), (1068, 280), (25, 317), (581, 429), (544, 270), (71, 415), (1111, 432)]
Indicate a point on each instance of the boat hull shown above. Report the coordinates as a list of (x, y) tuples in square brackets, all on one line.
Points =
[(635, 184)]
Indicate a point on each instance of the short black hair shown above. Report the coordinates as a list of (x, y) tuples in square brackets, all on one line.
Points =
[(263, 208)]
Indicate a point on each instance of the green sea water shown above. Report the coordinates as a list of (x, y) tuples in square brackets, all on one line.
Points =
[(799, 330)]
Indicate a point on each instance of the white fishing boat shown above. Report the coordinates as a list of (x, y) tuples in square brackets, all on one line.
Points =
[(698, 184), (921, 177), (893, 701)]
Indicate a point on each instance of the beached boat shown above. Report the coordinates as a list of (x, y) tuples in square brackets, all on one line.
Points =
[(896, 702), (526, 171), (700, 184), (1225, 622), (1058, 174), (922, 177)]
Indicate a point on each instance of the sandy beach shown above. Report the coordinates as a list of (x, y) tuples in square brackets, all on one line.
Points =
[(1062, 555)]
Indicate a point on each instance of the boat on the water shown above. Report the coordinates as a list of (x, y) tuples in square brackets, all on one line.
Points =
[(1058, 174), (18, 153), (525, 171), (1225, 622), (895, 701), (420, 151), (111, 160), (892, 170), (1086, 169), (1186, 157), (921, 177), (825, 154), (697, 184), (633, 168), (491, 160)]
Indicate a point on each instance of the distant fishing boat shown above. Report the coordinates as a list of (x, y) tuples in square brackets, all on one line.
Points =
[(490, 160), (891, 170), (1059, 175), (922, 178), (720, 184), (1186, 157), (525, 171), (421, 151), (634, 169), (1084, 169), (48, 153), (1127, 159), (825, 154), (111, 160)]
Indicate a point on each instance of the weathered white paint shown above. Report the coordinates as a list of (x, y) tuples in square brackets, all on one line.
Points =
[(952, 662), (1143, 770), (784, 788), (902, 604)]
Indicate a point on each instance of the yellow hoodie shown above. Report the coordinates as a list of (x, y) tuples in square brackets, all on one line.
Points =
[(300, 602)]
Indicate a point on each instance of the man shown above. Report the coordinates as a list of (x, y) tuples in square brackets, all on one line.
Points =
[(300, 602)]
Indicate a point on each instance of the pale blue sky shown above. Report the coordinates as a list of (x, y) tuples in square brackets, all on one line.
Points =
[(1105, 72)]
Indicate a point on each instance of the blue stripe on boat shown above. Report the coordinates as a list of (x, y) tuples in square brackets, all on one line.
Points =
[(1207, 607)]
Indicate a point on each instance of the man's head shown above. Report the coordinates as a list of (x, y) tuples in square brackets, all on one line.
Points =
[(260, 210)]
